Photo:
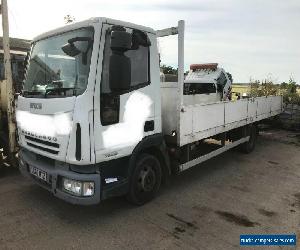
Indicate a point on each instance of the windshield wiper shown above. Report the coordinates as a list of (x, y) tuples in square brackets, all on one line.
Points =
[(61, 89), (32, 92)]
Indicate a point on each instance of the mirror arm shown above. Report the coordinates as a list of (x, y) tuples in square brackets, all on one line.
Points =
[(80, 39)]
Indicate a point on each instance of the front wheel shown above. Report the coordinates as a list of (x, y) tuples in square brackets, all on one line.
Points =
[(145, 180)]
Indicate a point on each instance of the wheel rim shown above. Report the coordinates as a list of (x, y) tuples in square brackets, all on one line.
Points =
[(147, 179)]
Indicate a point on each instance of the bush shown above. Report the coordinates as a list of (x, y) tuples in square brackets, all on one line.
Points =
[(291, 98), (289, 92), (265, 88)]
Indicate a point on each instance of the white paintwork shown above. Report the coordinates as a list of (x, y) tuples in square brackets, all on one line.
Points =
[(118, 140), (80, 107), (48, 125), (91, 22), (209, 76), (180, 61), (203, 75), (162, 102), (201, 98), (138, 108), (205, 120), (199, 121), (169, 106), (167, 32)]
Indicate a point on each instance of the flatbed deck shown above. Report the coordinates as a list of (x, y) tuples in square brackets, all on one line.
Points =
[(200, 121)]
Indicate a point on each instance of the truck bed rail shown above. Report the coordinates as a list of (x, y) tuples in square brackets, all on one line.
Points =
[(201, 121)]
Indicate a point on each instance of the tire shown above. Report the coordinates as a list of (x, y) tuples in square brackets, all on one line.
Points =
[(249, 146), (145, 179)]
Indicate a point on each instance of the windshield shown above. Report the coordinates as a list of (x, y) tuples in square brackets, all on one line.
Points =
[(192, 88), (59, 65)]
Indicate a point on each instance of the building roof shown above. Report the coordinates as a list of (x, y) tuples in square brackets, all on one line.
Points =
[(17, 44)]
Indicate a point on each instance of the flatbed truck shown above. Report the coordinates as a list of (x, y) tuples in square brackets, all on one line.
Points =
[(95, 121)]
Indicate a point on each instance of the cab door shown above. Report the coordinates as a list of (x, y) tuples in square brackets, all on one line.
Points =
[(123, 118)]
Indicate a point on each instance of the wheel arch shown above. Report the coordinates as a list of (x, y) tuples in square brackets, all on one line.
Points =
[(154, 145)]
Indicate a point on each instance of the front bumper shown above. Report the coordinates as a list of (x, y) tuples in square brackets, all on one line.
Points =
[(55, 174)]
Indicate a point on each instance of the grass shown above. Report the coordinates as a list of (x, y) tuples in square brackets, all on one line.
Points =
[(240, 88), (244, 88)]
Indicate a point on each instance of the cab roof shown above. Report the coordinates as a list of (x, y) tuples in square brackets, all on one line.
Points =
[(203, 76), (90, 22)]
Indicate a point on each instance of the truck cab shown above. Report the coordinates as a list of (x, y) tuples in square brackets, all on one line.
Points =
[(206, 83), (90, 100)]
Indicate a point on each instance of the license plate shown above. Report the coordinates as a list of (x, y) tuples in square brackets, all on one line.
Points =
[(38, 173)]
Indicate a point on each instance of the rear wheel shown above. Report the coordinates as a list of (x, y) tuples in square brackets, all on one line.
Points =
[(249, 146), (145, 180)]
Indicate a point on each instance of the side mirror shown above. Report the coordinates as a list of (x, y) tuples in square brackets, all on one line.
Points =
[(78, 45), (119, 72), (120, 40), (70, 49), (119, 64)]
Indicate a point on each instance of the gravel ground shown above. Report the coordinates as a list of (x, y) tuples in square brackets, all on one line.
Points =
[(207, 207)]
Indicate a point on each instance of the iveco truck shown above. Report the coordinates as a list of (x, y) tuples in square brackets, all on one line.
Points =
[(95, 121)]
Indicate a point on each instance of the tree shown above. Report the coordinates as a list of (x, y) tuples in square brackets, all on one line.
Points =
[(229, 76), (69, 19), (268, 88), (292, 86), (168, 69), (283, 85), (254, 90), (264, 88)]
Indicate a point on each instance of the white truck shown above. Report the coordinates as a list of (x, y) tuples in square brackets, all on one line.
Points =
[(94, 120)]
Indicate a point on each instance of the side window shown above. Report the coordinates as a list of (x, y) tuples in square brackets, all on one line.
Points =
[(199, 88), (140, 76), (139, 59)]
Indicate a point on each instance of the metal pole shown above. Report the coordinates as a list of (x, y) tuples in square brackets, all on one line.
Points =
[(180, 75), (181, 59), (8, 77)]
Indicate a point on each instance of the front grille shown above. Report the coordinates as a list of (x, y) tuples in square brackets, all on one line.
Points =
[(48, 143), (47, 146)]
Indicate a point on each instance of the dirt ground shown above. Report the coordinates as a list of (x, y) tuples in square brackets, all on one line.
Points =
[(207, 207)]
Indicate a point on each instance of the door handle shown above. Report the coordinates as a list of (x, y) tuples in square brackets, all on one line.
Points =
[(149, 126)]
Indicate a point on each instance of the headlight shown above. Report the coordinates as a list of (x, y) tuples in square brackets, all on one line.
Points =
[(88, 188), (79, 188)]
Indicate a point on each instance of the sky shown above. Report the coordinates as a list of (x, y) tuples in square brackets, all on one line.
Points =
[(254, 39)]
